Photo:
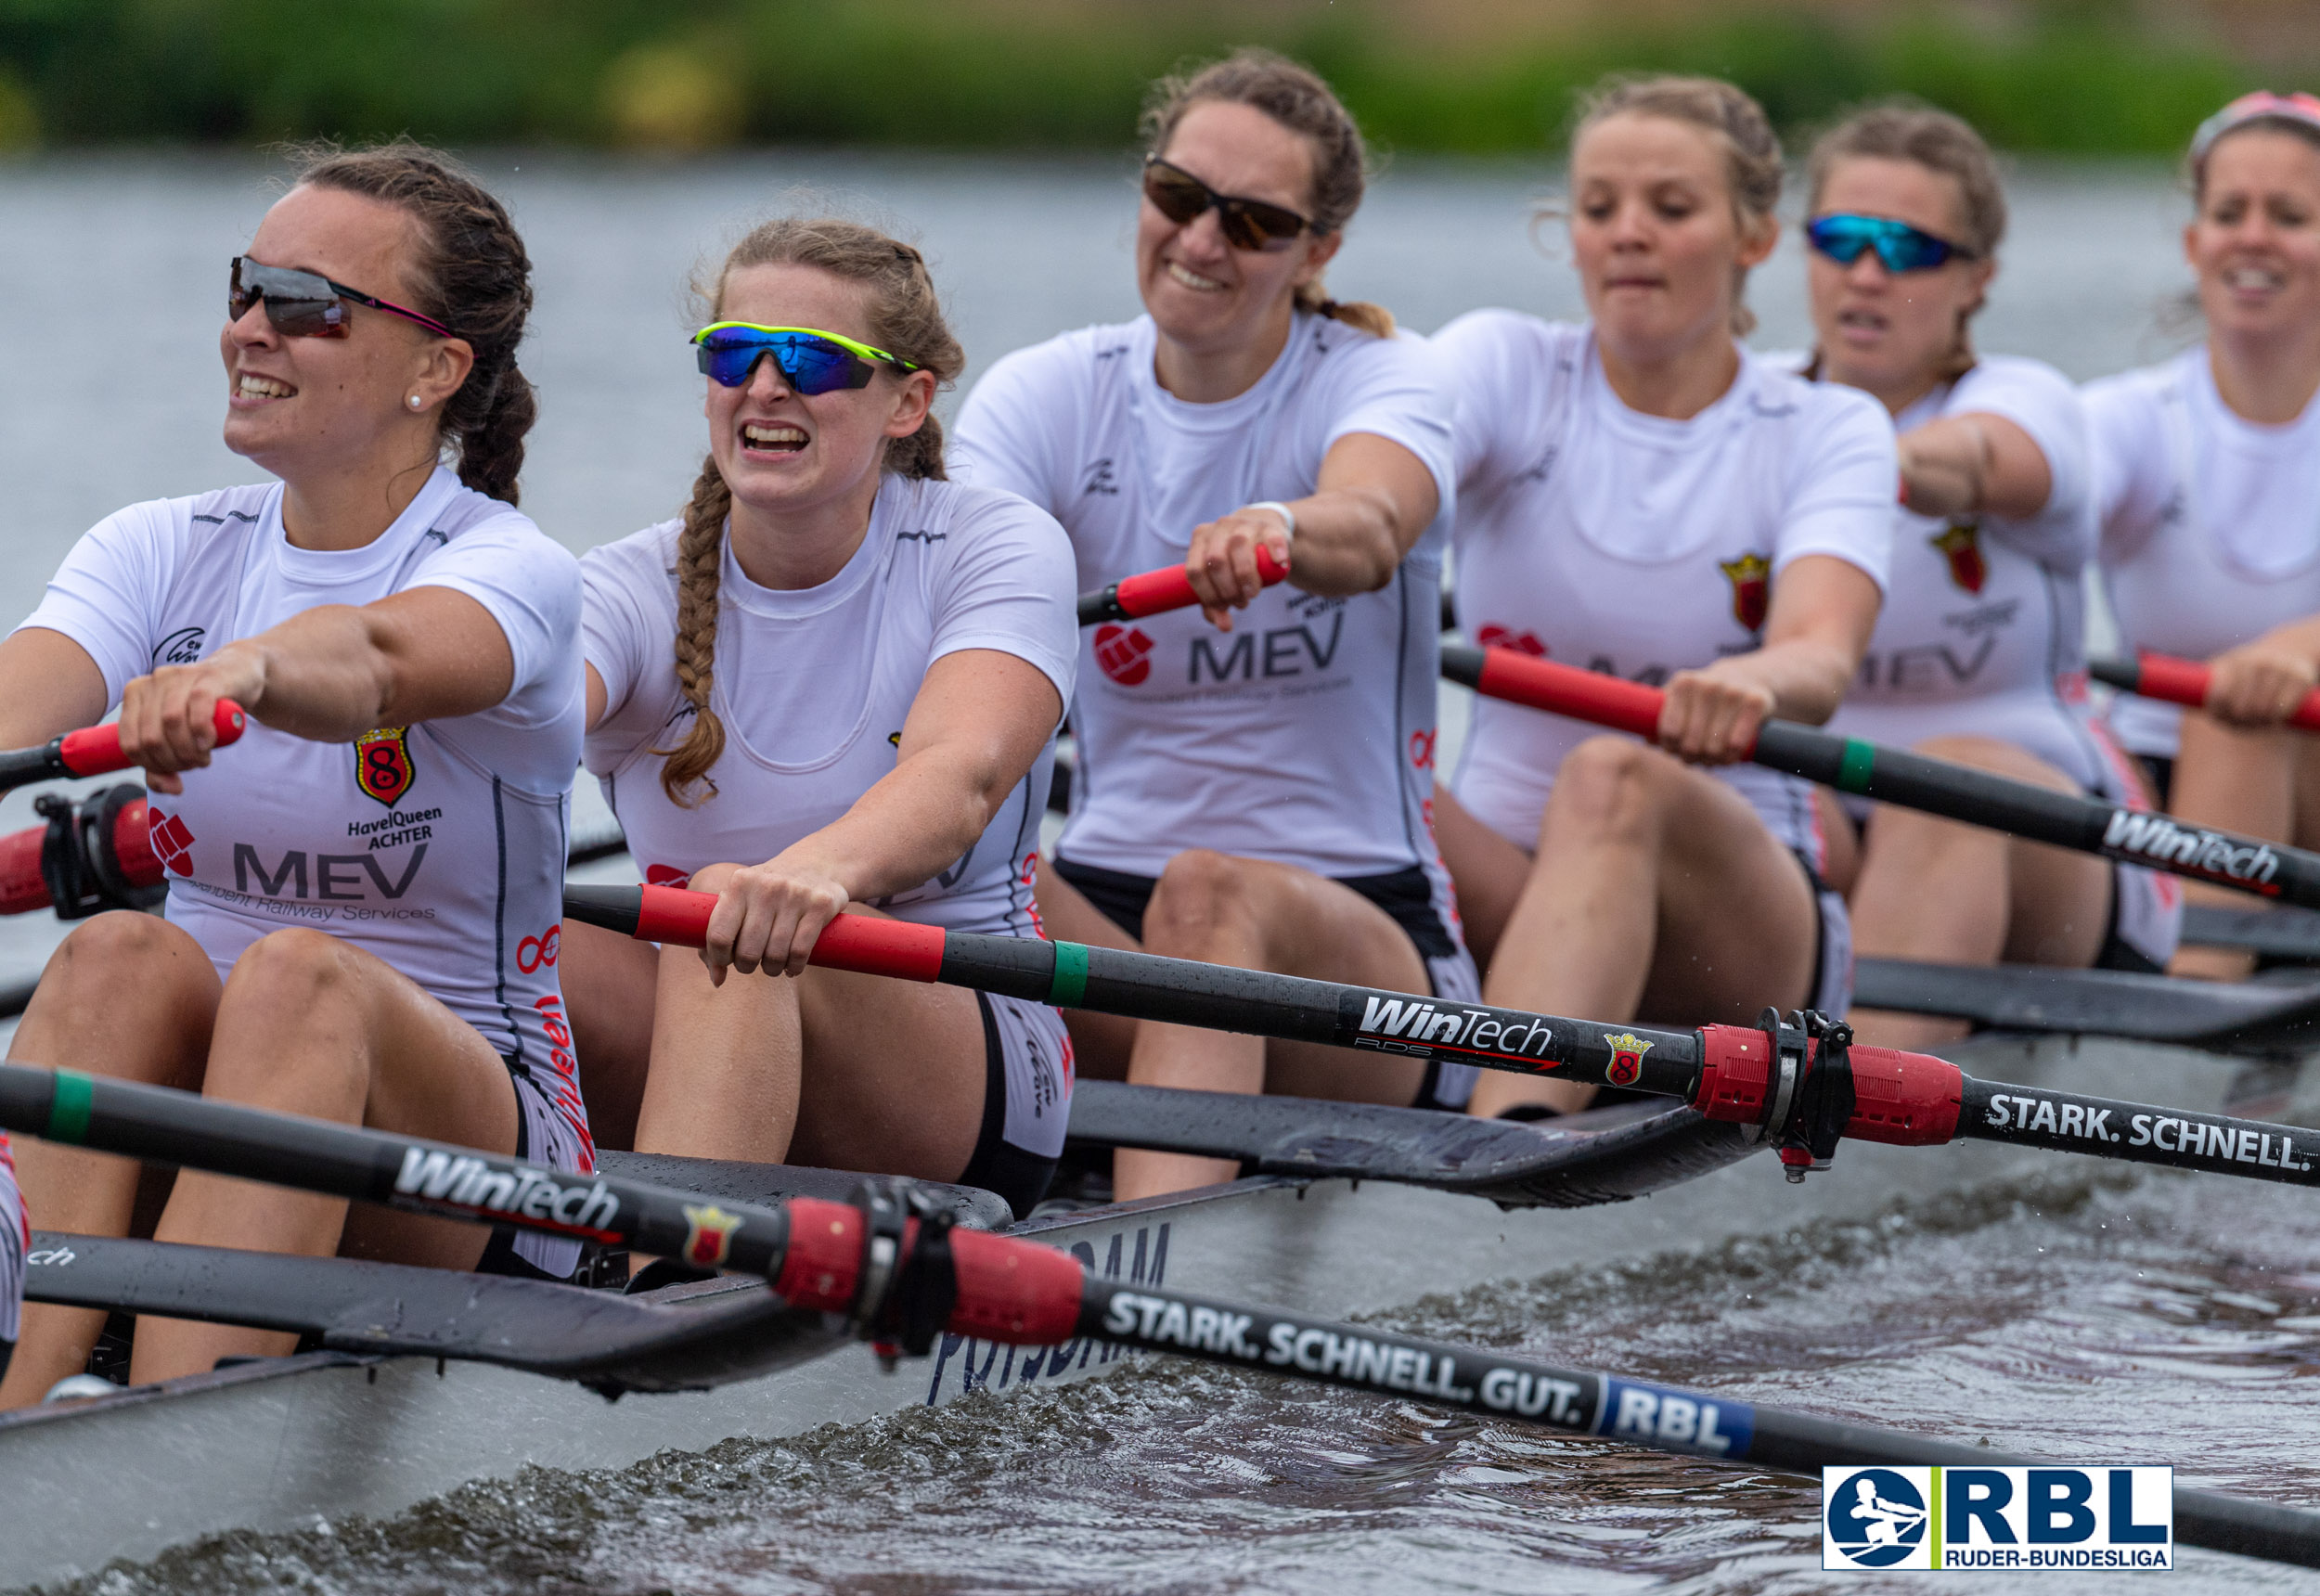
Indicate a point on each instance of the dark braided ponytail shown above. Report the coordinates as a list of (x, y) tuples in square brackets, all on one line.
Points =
[(906, 318), (472, 276)]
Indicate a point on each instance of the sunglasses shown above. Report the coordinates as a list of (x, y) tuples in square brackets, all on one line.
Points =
[(1247, 223), (305, 304), (812, 361), (1900, 247)]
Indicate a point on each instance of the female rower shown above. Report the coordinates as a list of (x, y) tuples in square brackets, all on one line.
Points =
[(1640, 495), (834, 680), (1977, 656), (354, 885), (2208, 466), (1253, 789)]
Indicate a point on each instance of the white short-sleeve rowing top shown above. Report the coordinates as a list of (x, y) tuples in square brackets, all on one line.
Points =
[(1304, 736), (2210, 523), (814, 686), (1983, 629), (1596, 535)]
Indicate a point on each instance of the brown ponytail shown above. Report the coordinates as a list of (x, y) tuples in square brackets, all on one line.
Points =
[(473, 275), (906, 318), (1300, 100)]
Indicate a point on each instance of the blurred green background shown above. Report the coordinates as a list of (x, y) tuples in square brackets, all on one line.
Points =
[(1468, 76)]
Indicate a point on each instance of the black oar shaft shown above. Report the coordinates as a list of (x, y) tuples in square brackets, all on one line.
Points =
[(2138, 1133), (1587, 1402)]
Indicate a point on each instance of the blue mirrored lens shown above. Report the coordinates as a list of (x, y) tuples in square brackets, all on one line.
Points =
[(812, 365), (1900, 247)]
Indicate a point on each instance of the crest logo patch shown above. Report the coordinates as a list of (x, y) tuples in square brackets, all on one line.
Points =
[(708, 1235), (1627, 1057), (1960, 545), (1751, 579), (382, 764)]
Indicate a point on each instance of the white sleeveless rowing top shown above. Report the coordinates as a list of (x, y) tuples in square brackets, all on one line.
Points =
[(2210, 523), (1983, 629), (439, 847), (814, 686), (1599, 537), (1304, 736)]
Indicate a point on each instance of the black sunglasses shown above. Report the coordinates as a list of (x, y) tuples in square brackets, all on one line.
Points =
[(305, 304), (1247, 223)]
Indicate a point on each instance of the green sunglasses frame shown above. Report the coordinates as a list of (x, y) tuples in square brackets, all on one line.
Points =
[(855, 347)]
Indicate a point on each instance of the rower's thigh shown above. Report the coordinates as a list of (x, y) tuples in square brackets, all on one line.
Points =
[(1738, 927), (1487, 871), (1101, 1043), (2237, 781), (893, 1074), (310, 1024), (1313, 927), (2058, 905), (2305, 755), (609, 982)]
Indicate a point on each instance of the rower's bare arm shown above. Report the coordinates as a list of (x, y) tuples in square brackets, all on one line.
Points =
[(1823, 611), (1370, 503), (978, 722), (330, 674), (48, 685), (1974, 464), (2261, 682)]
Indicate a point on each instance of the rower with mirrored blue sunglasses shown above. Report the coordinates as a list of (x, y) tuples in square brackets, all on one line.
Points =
[(1843, 237), (811, 360)]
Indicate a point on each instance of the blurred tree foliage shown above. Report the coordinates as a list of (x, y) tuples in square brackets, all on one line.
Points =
[(2063, 76)]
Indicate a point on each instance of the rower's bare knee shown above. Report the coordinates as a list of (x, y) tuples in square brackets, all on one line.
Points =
[(121, 975), (120, 953), (290, 984), (2002, 758), (1202, 900), (713, 878), (1606, 789)]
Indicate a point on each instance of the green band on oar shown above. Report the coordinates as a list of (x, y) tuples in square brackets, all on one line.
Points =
[(1070, 984), (1853, 770), (69, 1110)]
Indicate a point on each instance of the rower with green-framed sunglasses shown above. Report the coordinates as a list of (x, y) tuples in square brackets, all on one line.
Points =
[(812, 361)]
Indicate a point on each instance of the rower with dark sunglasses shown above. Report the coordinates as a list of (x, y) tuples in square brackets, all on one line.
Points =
[(1977, 656), (1254, 779), (833, 683), (1642, 495), (2208, 471), (364, 891)]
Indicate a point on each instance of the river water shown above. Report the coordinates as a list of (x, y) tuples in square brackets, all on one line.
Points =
[(2134, 1317)]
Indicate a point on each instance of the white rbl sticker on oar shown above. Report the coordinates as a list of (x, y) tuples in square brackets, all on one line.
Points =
[(1905, 1518)]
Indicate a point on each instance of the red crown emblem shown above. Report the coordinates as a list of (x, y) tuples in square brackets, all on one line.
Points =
[(1960, 544), (382, 762), (1124, 653), (1627, 1057), (1751, 579)]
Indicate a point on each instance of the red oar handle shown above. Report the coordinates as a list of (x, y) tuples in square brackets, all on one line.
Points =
[(2185, 682), (1559, 689), (865, 943), (95, 751), (1170, 587)]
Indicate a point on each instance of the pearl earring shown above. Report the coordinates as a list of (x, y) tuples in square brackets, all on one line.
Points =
[(415, 401)]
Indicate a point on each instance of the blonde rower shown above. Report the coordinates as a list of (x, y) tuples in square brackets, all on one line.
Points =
[(1640, 495), (832, 684)]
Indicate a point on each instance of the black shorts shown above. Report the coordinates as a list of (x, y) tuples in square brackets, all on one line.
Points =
[(1406, 895), (998, 1164)]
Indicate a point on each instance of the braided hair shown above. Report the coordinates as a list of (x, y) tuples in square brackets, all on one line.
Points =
[(905, 318), (473, 275)]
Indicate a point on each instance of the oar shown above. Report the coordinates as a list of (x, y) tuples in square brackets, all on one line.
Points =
[(900, 1276), (1914, 781), (2181, 681), (93, 751), (1795, 1090), (1149, 592)]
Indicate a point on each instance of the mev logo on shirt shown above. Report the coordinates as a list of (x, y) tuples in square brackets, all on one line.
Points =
[(1926, 1517)]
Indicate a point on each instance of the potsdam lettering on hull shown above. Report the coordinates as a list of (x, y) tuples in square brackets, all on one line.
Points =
[(2197, 850), (469, 1182), (966, 1363)]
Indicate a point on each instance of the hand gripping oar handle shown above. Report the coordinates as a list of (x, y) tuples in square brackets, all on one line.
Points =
[(1786, 1085), (1170, 587), (94, 751), (900, 1273), (1914, 781), (2181, 681)]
